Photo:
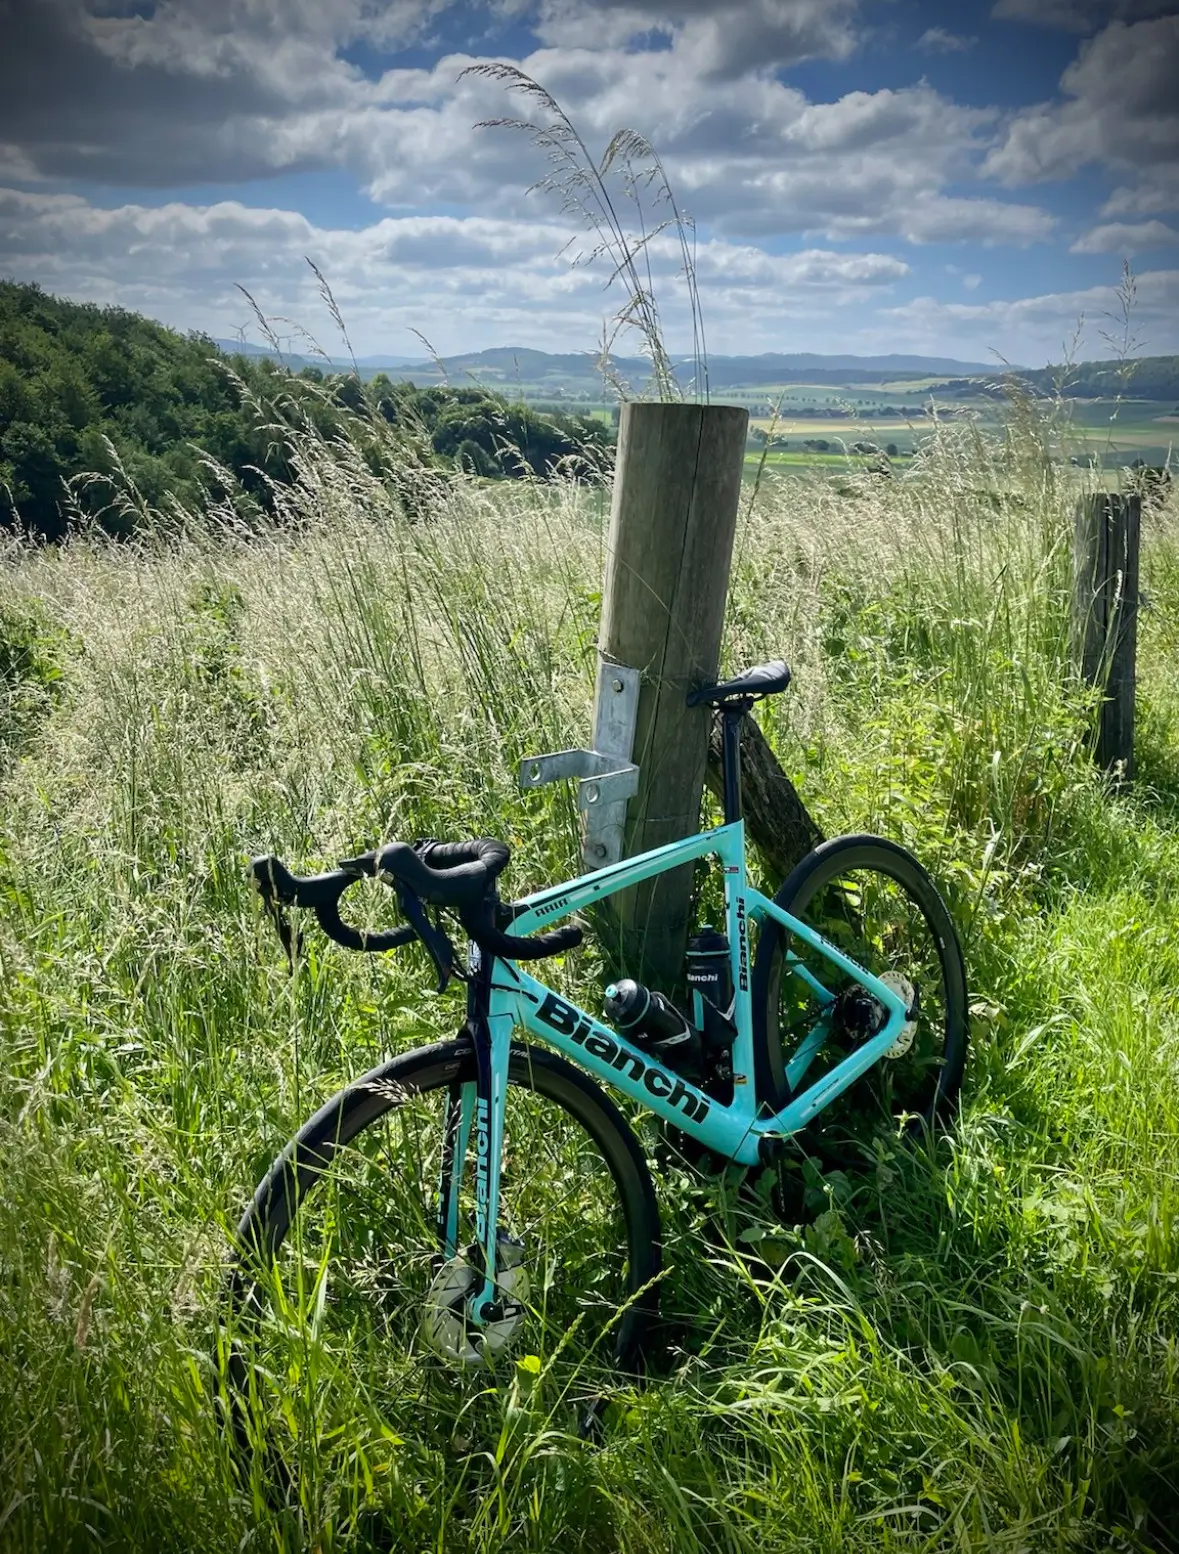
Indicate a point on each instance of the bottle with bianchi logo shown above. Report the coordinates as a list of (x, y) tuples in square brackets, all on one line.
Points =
[(709, 975)]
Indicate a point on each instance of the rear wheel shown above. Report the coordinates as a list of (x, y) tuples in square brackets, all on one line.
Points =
[(874, 902), (347, 1333)]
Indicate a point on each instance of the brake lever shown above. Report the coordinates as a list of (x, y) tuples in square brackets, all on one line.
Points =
[(440, 948), (290, 934)]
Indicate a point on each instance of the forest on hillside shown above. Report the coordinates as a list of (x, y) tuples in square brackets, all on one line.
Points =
[(1146, 377), (96, 402)]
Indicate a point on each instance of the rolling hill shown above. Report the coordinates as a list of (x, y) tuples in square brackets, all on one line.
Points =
[(507, 365)]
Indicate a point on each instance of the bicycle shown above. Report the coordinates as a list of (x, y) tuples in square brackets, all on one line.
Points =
[(487, 1197)]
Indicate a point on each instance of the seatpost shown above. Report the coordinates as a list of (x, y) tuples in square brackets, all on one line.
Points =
[(731, 717)]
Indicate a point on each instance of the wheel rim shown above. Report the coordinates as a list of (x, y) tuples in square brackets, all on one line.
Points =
[(876, 920), (337, 1355)]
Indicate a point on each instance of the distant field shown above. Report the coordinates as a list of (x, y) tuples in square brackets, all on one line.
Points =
[(911, 386), (1099, 429), (852, 428), (803, 459), (879, 412)]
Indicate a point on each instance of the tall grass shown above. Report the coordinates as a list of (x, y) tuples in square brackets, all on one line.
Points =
[(971, 1349)]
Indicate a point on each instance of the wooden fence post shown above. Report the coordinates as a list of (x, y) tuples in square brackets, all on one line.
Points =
[(1105, 616), (677, 489)]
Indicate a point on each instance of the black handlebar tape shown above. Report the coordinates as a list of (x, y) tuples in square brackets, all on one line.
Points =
[(356, 938), (461, 886), (494, 856), (320, 893), (273, 880), (479, 921), (538, 947), (454, 874)]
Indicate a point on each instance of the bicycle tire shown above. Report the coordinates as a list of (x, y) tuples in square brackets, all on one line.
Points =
[(336, 1132), (826, 865)]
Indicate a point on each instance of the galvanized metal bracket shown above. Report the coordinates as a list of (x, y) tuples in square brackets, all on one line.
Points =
[(606, 776)]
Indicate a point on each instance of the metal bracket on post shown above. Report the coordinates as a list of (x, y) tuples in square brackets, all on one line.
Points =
[(606, 776)]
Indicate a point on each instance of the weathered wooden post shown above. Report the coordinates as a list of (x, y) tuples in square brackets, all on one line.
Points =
[(1105, 616), (677, 489), (676, 493)]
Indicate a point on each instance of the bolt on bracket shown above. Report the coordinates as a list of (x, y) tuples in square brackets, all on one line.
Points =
[(606, 776)]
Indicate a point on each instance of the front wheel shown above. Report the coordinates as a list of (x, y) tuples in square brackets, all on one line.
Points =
[(874, 902), (345, 1332)]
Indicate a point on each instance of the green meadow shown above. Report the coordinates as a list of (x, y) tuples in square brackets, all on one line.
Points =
[(968, 1346)]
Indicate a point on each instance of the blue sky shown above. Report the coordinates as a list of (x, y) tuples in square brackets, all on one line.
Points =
[(865, 175)]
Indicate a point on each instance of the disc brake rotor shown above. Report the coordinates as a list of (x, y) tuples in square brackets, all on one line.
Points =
[(907, 993), (445, 1325)]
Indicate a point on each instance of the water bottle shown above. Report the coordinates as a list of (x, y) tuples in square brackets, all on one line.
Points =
[(652, 1021), (709, 971)]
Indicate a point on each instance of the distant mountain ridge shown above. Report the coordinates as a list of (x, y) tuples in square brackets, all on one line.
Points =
[(506, 363), (301, 359), (547, 373), (804, 361)]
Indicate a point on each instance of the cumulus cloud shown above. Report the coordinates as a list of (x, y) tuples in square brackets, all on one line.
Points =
[(1078, 15), (238, 89), (14, 164), (143, 96), (761, 158), (1158, 190), (1030, 329), (1121, 237), (472, 282), (719, 39), (1120, 108), (936, 40)]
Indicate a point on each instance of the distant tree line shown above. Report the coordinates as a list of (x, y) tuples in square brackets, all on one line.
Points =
[(489, 435), (837, 411), (1148, 377), (98, 398)]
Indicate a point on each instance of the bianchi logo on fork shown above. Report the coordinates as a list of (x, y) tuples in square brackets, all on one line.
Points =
[(482, 1154)]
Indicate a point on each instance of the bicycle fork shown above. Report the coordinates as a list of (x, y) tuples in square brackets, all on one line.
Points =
[(474, 1125)]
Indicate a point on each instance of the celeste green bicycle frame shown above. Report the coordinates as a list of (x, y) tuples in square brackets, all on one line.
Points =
[(736, 1130)]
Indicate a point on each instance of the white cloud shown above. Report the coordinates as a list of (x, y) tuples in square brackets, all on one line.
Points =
[(14, 164), (206, 91), (748, 157), (1121, 109), (1029, 330), (718, 39), (1077, 15), (1157, 190), (936, 40), (270, 42), (1122, 237), (467, 282), (238, 89)]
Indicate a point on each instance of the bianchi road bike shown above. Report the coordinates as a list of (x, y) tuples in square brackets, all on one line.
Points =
[(484, 1201)]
